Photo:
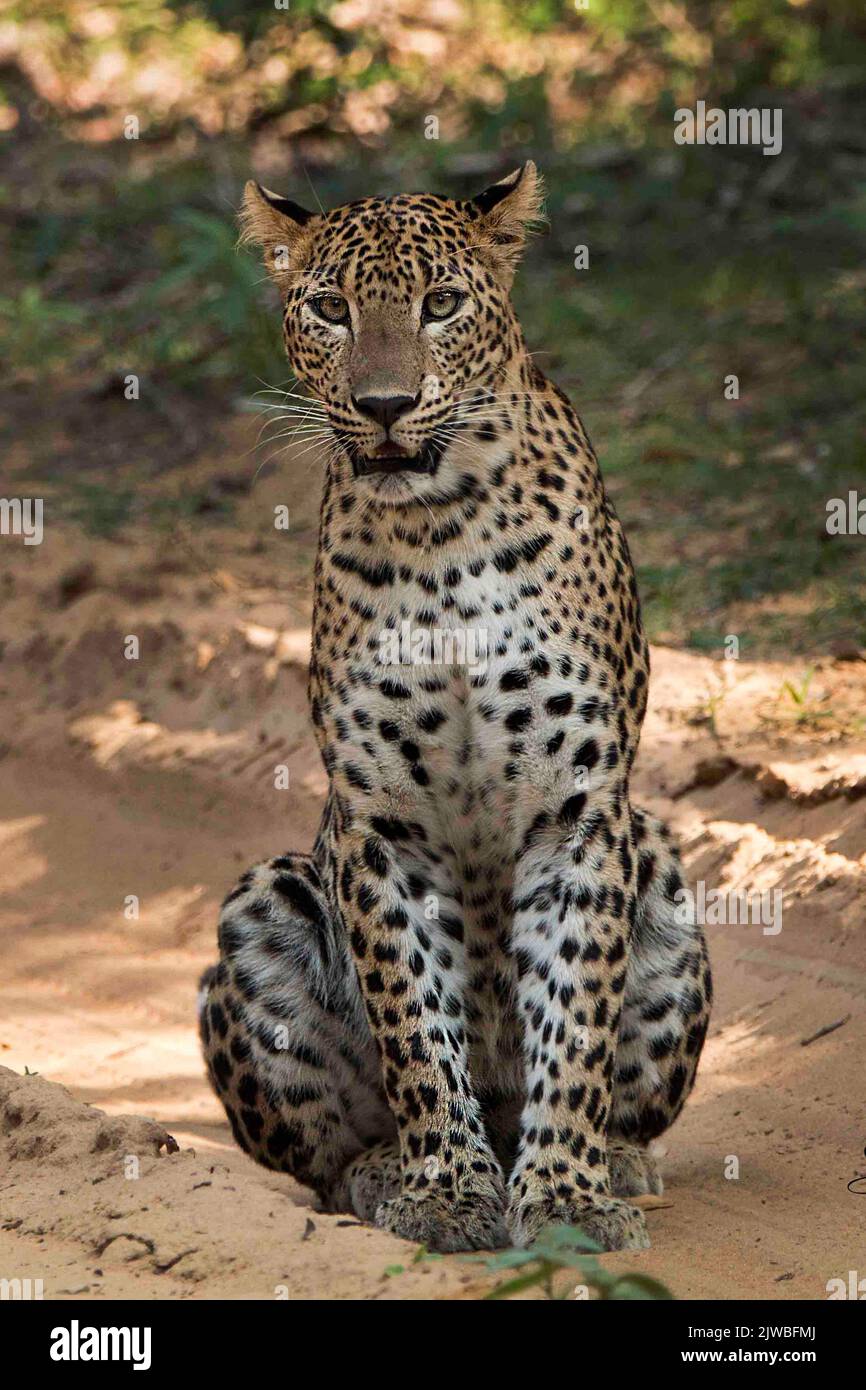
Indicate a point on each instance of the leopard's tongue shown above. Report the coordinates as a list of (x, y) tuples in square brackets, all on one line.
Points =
[(390, 451)]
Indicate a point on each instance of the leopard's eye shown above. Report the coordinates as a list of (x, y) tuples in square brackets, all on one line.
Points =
[(331, 307), (441, 304)]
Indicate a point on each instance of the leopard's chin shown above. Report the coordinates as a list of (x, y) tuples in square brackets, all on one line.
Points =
[(397, 488)]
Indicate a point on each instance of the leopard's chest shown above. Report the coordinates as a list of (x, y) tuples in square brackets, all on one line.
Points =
[(460, 709)]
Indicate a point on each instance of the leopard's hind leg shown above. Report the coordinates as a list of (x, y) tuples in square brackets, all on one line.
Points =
[(286, 1040), (633, 1170), (368, 1180), (666, 1009)]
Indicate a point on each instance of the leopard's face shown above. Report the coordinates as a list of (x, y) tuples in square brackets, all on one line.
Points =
[(391, 326), (399, 322)]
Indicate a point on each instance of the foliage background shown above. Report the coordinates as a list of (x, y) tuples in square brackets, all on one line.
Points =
[(704, 261)]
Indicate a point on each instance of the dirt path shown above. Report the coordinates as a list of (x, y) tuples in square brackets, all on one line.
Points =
[(154, 783)]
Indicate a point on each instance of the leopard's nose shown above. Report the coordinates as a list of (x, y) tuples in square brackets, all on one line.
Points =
[(384, 409)]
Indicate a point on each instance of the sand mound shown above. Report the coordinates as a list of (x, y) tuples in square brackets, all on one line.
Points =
[(135, 793), (110, 1206)]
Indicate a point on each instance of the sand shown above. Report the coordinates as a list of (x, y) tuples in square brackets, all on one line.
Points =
[(133, 792)]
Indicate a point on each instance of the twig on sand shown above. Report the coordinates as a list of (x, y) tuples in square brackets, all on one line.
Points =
[(822, 1032)]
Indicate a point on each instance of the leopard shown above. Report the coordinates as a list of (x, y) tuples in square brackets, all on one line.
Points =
[(470, 1010)]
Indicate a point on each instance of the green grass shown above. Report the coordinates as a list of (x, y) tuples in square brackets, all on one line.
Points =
[(724, 501)]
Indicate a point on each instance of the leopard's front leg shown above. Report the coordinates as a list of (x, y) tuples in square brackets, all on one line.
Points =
[(406, 937), (574, 904)]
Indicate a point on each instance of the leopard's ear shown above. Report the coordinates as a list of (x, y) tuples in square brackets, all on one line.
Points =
[(282, 228), (510, 210)]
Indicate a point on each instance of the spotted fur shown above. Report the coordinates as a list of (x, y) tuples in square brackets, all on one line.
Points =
[(469, 1011)]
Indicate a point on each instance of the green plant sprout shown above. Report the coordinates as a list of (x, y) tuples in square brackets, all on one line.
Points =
[(560, 1247), (799, 693), (706, 712)]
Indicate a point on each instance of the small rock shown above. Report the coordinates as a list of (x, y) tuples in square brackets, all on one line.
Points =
[(710, 771), (76, 580), (262, 639), (846, 649), (293, 647)]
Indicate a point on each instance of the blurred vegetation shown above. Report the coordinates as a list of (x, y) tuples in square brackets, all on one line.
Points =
[(703, 261), (559, 1250)]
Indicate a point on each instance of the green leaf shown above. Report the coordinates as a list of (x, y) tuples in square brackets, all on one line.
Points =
[(513, 1286), (638, 1286)]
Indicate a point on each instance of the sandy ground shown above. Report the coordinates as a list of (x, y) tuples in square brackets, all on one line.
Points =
[(134, 791)]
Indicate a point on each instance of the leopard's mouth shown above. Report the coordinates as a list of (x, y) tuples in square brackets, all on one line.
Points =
[(392, 458)]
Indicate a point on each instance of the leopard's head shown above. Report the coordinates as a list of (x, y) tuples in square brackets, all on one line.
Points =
[(398, 321)]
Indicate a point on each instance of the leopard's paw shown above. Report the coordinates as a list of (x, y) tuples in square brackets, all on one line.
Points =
[(367, 1181), (442, 1222), (633, 1171), (612, 1224)]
